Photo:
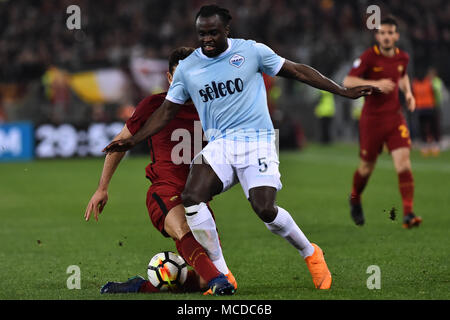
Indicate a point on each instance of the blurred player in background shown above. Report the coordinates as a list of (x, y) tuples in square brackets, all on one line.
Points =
[(324, 111), (224, 79), (382, 121), (164, 195), (427, 89)]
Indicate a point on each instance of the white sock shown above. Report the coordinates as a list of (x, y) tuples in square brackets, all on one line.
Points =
[(283, 225), (203, 228)]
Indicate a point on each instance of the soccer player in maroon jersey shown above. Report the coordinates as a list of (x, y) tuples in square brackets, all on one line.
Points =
[(382, 121), (164, 195)]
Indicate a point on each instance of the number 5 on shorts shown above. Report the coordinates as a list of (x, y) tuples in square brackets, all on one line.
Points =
[(262, 163)]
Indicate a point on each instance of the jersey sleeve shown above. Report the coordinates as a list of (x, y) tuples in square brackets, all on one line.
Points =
[(142, 112), (177, 92), (360, 66), (269, 62)]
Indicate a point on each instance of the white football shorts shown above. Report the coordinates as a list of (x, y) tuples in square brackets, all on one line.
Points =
[(252, 163)]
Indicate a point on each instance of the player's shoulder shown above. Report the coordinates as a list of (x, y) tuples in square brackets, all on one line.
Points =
[(371, 52), (249, 43), (252, 47), (402, 54), (144, 109), (154, 99), (242, 42), (190, 61), (245, 44), (365, 57), (151, 102)]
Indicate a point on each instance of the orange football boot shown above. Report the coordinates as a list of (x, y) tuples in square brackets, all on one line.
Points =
[(231, 280), (318, 269), (411, 220)]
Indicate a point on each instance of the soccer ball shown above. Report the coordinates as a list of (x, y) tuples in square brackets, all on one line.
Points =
[(167, 271)]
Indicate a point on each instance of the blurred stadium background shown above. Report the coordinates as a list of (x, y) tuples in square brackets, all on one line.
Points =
[(70, 91), (65, 93)]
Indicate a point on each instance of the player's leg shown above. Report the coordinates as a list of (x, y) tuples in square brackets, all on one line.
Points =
[(167, 215), (280, 222), (370, 145), (402, 164), (201, 186), (260, 180), (399, 144), (195, 255), (360, 179), (175, 226)]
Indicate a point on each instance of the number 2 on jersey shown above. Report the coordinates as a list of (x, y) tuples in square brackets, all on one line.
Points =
[(404, 132)]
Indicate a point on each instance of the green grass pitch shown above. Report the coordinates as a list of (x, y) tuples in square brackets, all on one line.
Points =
[(42, 230)]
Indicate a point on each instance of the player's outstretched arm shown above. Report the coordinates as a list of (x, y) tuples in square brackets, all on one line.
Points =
[(384, 85), (100, 197), (311, 76), (158, 120)]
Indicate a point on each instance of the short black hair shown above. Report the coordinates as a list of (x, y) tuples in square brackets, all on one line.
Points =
[(210, 10), (391, 20), (177, 55)]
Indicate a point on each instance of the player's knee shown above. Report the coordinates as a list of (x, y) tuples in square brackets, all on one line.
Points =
[(366, 168), (403, 166), (192, 197), (266, 211), (180, 231), (402, 161), (176, 226)]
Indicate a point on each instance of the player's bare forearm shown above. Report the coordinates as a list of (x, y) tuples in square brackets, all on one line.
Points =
[(314, 78), (112, 161), (352, 81), (309, 75), (158, 120), (100, 197), (404, 84)]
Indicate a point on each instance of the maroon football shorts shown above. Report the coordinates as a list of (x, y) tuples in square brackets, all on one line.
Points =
[(160, 200), (375, 131)]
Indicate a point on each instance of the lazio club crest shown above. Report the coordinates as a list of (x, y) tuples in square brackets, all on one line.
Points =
[(237, 60)]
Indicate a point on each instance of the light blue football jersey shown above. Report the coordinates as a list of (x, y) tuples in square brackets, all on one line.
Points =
[(228, 90)]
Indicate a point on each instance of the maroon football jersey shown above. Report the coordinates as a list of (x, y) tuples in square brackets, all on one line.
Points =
[(373, 65), (162, 169)]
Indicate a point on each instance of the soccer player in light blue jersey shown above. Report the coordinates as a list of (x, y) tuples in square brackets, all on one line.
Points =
[(224, 79)]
